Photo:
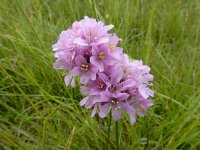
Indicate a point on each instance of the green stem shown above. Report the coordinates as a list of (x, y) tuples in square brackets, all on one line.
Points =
[(108, 133), (117, 136)]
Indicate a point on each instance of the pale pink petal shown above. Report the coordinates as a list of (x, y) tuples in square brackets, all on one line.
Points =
[(127, 108), (103, 77), (116, 114), (110, 60), (84, 79), (127, 84), (93, 72), (73, 83), (105, 109), (83, 101), (89, 104), (67, 79), (55, 47), (97, 99), (80, 41), (122, 96), (116, 76), (94, 91), (59, 64), (104, 30), (132, 119), (149, 102), (95, 50), (117, 52), (98, 64), (94, 111), (108, 27), (103, 40), (75, 71), (151, 92), (93, 60), (145, 91), (84, 90), (79, 60), (105, 96), (101, 67)]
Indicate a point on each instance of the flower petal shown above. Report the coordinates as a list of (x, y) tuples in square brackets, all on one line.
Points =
[(108, 27), (127, 84), (106, 96), (89, 104), (149, 103), (103, 77), (60, 64), (132, 119), (84, 79), (127, 108), (75, 71), (83, 101), (92, 73), (103, 40), (80, 41), (105, 109), (104, 30), (121, 96), (116, 76), (95, 50), (98, 99), (94, 110), (79, 60), (116, 114), (84, 90), (55, 47), (73, 83), (67, 79), (145, 91), (94, 91), (98, 64)]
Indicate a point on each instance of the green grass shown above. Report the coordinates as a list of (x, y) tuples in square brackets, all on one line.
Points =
[(37, 111)]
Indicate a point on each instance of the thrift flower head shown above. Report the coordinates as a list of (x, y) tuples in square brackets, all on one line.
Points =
[(111, 81)]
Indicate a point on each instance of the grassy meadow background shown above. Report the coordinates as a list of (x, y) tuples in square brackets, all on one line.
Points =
[(37, 111)]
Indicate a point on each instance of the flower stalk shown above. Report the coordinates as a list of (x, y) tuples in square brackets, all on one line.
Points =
[(117, 135), (108, 133)]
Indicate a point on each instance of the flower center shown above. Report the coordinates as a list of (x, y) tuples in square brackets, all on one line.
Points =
[(87, 55), (91, 35), (115, 103), (101, 86), (101, 55), (140, 108), (84, 67), (112, 88), (133, 91), (112, 45)]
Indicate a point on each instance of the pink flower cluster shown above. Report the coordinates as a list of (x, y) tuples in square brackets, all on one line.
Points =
[(110, 80)]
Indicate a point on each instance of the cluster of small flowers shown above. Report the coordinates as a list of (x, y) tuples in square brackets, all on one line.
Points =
[(110, 80)]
